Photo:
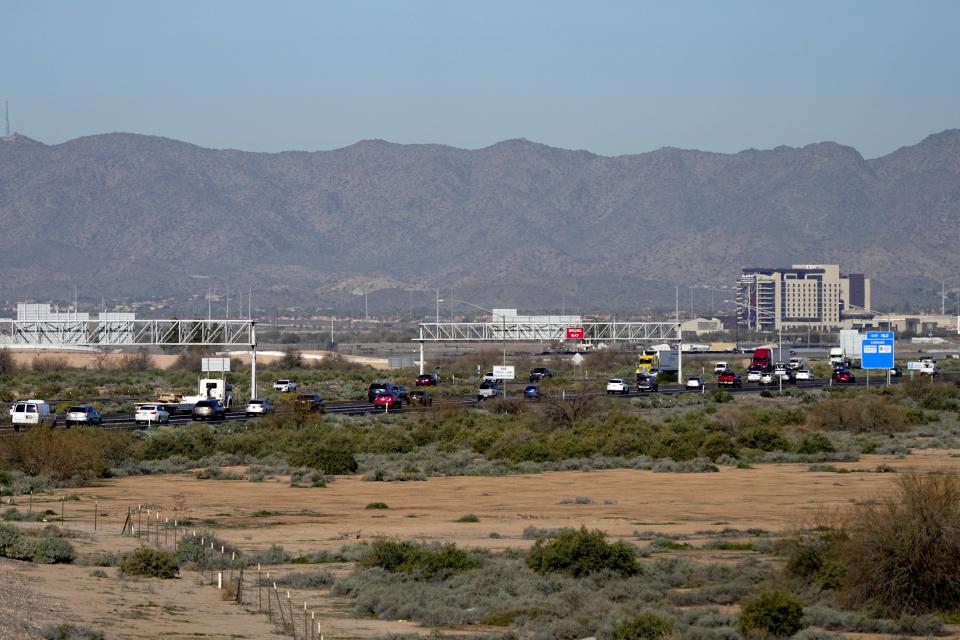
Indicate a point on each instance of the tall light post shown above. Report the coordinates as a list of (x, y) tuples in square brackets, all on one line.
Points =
[(438, 307)]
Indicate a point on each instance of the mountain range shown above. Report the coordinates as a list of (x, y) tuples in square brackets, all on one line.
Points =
[(515, 224)]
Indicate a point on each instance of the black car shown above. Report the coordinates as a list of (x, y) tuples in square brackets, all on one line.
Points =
[(540, 373), (647, 383), (896, 372), (403, 393), (209, 409), (378, 388)]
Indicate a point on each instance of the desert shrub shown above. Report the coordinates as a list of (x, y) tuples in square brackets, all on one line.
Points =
[(936, 396), (150, 562), (903, 555), (426, 562), (643, 626), (9, 536), (817, 560), (560, 413), (274, 554), (815, 443), (771, 613), (329, 460), (44, 549), (764, 439), (678, 444), (216, 473), (305, 579), (13, 514), (59, 455), (470, 517), (580, 552), (858, 414), (377, 505), (196, 549), (717, 445), (69, 632)]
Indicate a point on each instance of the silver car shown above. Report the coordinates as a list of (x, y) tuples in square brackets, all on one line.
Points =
[(83, 414), (258, 408)]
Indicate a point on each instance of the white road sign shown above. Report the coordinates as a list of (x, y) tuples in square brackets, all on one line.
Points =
[(503, 372)]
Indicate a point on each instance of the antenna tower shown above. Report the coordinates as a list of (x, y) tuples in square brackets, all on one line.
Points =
[(6, 115)]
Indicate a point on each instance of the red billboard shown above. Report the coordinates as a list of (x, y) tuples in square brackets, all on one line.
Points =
[(574, 333)]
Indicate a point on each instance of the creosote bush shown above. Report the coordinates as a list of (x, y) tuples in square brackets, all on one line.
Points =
[(580, 552), (771, 613), (818, 560), (150, 562), (643, 626), (422, 561), (815, 443), (903, 555), (45, 548)]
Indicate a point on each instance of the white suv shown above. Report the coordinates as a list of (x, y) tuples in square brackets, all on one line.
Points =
[(617, 385), (285, 386)]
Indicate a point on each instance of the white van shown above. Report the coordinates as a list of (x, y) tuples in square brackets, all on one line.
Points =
[(27, 412)]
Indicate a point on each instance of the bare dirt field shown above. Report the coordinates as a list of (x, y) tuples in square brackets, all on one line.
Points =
[(254, 515)]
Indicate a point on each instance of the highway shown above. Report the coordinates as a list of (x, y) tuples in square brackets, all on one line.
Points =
[(125, 421)]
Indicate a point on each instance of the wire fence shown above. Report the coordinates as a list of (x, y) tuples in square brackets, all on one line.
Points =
[(221, 567)]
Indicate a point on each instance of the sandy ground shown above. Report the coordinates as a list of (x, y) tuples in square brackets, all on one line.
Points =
[(773, 497)]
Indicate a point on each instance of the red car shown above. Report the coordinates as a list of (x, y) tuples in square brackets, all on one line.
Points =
[(729, 379), (388, 401), (843, 376), (427, 380)]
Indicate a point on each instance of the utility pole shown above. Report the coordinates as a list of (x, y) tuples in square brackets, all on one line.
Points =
[(679, 340)]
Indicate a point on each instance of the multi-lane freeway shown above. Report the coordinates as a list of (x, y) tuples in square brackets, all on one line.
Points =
[(124, 421)]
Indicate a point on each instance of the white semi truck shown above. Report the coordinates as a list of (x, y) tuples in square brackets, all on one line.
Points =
[(206, 388)]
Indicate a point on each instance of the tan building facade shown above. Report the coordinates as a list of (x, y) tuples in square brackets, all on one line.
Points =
[(813, 297)]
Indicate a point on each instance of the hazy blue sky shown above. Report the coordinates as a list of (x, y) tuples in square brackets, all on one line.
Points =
[(611, 77)]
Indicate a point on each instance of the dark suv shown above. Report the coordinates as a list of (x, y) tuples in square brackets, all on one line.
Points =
[(540, 373), (310, 403), (210, 409), (378, 388)]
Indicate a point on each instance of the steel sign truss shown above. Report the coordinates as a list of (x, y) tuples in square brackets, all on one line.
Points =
[(549, 331), (129, 332)]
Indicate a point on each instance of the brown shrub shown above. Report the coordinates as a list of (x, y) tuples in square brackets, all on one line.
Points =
[(903, 555), (860, 414), (559, 412), (58, 454)]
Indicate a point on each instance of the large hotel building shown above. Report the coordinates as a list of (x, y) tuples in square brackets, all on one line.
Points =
[(816, 297)]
